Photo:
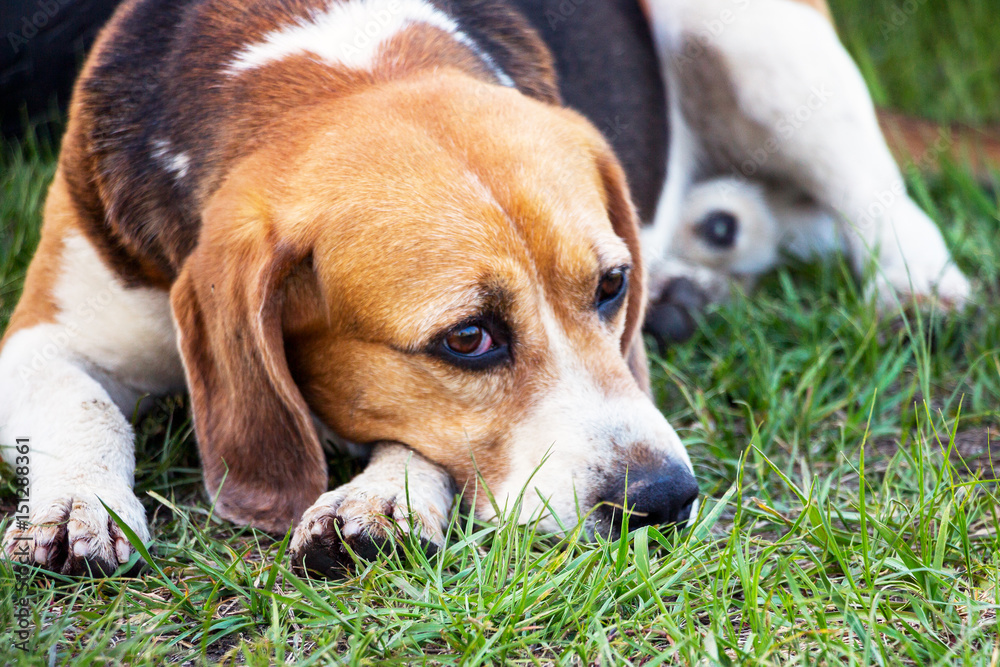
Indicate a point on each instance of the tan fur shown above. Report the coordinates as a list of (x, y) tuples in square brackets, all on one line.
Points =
[(364, 275)]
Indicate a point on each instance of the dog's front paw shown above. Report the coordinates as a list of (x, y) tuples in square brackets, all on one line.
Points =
[(365, 518), (74, 534)]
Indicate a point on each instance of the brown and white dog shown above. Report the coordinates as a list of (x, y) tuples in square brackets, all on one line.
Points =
[(376, 223)]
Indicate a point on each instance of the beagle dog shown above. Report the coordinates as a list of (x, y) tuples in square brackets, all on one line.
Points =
[(402, 228)]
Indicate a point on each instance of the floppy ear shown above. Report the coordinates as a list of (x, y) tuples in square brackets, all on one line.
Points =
[(255, 433), (625, 222)]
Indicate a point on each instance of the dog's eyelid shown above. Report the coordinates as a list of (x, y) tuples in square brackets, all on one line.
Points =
[(464, 306), (611, 253), (624, 270), (607, 268), (624, 267), (492, 320)]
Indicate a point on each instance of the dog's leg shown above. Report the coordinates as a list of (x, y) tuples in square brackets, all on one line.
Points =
[(771, 93), (839, 157), (397, 487), (78, 451), (68, 378)]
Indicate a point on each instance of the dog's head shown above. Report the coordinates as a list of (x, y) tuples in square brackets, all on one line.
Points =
[(440, 263), (730, 232)]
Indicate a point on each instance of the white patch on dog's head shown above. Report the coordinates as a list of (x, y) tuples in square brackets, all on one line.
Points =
[(175, 163), (352, 34)]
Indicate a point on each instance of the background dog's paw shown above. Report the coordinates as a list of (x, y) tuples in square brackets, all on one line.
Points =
[(947, 288), (952, 289), (74, 534), (363, 518)]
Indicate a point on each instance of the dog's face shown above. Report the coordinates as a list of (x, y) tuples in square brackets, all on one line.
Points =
[(460, 274)]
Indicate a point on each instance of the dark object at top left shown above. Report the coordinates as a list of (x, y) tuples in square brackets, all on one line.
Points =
[(44, 43)]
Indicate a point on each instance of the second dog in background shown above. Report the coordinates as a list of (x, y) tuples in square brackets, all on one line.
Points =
[(776, 147)]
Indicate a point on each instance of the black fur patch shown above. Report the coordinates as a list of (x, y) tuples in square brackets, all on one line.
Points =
[(158, 89), (609, 71)]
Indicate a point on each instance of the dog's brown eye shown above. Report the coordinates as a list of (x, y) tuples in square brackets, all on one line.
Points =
[(610, 291), (478, 344), (470, 341), (611, 285)]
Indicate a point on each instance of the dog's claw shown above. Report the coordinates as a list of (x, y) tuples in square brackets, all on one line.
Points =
[(76, 536), (361, 520)]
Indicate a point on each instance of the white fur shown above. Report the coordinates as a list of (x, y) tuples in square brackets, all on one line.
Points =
[(803, 118), (351, 33), (175, 163), (131, 338), (67, 386), (571, 435)]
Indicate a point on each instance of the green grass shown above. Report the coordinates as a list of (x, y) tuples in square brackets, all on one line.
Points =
[(851, 509), (934, 58)]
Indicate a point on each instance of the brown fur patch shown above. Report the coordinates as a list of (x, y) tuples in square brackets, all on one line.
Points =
[(923, 143), (262, 460)]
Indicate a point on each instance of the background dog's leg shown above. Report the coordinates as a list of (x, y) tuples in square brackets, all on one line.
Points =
[(771, 93), (828, 142), (398, 486)]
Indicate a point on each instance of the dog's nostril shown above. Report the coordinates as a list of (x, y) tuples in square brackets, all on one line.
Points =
[(684, 515), (656, 497), (670, 503)]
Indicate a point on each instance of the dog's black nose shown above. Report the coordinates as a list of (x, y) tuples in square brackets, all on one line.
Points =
[(671, 319), (653, 497)]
